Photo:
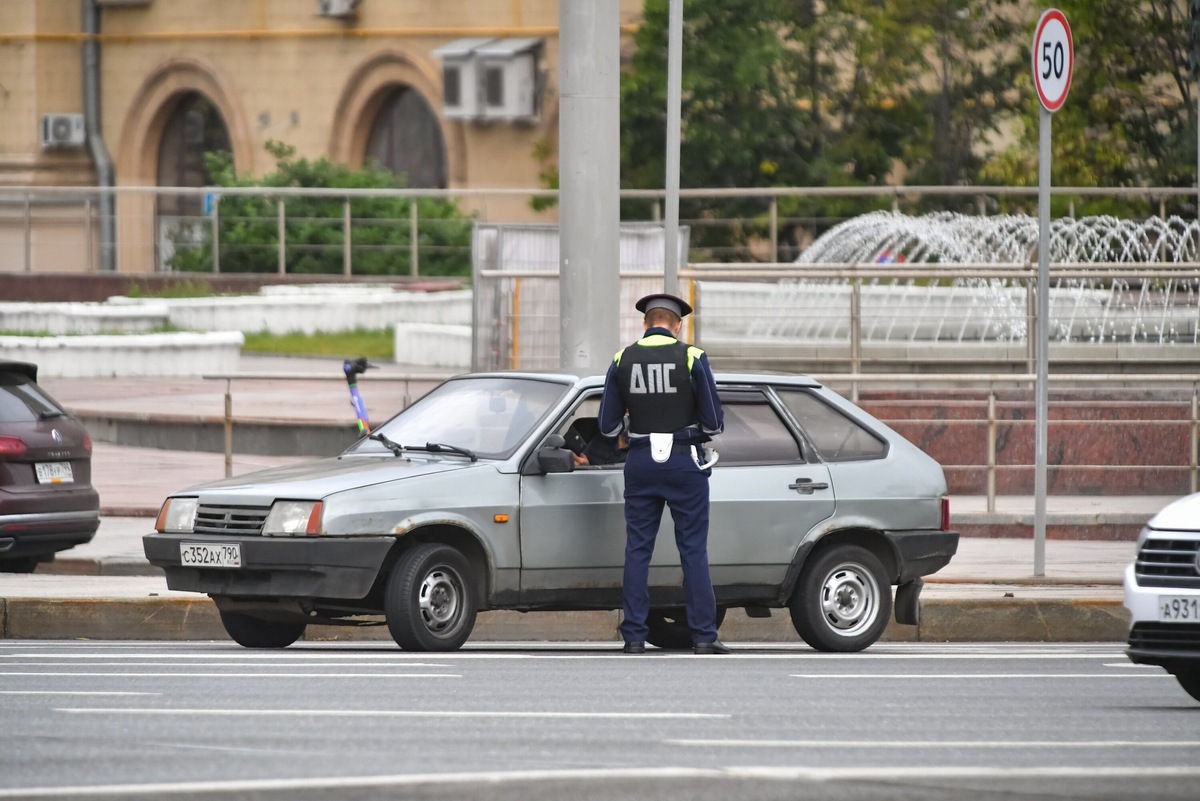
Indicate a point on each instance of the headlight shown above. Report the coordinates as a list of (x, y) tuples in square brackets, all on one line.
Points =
[(293, 518), (177, 515)]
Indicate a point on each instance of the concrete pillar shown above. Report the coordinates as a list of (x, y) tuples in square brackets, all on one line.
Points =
[(589, 182)]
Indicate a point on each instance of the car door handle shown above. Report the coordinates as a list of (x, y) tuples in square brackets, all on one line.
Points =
[(806, 486)]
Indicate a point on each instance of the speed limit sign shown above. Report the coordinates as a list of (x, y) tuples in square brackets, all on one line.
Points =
[(1053, 59)]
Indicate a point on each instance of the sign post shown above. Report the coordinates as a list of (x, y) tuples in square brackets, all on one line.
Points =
[(1053, 63)]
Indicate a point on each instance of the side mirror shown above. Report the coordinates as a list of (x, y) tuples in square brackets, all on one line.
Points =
[(553, 457)]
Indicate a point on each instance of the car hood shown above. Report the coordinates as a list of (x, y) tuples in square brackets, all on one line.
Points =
[(313, 480), (1180, 515)]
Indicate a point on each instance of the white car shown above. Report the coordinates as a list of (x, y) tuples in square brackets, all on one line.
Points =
[(1162, 594)]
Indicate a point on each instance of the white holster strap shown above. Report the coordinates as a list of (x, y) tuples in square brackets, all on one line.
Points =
[(660, 446)]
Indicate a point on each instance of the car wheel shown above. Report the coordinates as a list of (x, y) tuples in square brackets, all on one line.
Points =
[(257, 632), (843, 600), (26, 564), (430, 602), (669, 629), (1189, 680)]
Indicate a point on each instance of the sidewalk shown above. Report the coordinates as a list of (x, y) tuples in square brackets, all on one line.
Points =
[(107, 589)]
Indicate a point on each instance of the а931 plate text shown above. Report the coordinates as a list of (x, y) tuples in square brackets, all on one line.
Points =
[(1179, 608)]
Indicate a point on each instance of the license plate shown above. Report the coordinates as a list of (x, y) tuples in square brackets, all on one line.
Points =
[(54, 472), (204, 554), (1179, 608)]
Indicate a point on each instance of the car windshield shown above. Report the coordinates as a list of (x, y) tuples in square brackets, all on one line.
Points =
[(487, 416)]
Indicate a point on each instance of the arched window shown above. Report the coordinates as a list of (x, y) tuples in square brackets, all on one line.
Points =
[(194, 128), (406, 139)]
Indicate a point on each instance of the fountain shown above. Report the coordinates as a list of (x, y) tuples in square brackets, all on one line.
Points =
[(1116, 306)]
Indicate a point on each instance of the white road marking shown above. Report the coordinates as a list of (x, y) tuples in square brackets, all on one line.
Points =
[(68, 692), (274, 657), (193, 666), (140, 674), (978, 675), (495, 777), (739, 653), (889, 744), (926, 773), (396, 713)]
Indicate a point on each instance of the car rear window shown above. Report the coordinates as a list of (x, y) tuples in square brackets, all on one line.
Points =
[(836, 437), (22, 401)]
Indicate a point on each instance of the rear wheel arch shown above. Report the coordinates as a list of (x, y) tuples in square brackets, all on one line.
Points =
[(873, 541)]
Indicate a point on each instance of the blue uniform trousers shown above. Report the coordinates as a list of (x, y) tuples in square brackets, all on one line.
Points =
[(683, 487)]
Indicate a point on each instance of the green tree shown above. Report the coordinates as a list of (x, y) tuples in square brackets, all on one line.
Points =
[(740, 124), (314, 230), (1130, 116), (808, 93)]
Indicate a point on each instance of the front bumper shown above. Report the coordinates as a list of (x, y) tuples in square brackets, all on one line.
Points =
[(309, 567), (1174, 646)]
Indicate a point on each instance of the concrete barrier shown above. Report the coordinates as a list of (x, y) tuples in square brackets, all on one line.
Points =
[(315, 307), (431, 345), (174, 354), (82, 318)]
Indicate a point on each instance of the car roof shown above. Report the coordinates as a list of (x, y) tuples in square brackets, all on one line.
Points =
[(27, 369), (588, 379)]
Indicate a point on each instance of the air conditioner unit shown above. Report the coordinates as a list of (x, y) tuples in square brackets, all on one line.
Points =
[(508, 81), (491, 79), (62, 130), (340, 9)]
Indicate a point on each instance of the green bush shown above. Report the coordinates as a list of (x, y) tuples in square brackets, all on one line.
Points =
[(248, 226)]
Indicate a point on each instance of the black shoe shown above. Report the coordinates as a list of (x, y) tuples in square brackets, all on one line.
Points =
[(714, 647), (635, 647)]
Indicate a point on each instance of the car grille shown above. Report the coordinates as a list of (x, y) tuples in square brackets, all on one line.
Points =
[(230, 520), (1165, 561), (1166, 636)]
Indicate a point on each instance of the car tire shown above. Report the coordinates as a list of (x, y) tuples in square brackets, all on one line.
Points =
[(669, 629), (256, 632), (1189, 680), (430, 602), (843, 600)]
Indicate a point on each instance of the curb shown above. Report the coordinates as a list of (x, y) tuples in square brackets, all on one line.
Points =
[(942, 620)]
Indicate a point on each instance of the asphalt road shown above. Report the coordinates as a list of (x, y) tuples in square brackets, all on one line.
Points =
[(523, 721)]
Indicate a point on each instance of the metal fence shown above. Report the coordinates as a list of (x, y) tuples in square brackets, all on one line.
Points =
[(1109, 434), (818, 318), (59, 229)]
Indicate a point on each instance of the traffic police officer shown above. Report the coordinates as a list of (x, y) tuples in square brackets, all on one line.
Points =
[(667, 390)]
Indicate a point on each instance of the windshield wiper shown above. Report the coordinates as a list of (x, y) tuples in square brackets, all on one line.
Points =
[(437, 447), (51, 414), (391, 446), (428, 447)]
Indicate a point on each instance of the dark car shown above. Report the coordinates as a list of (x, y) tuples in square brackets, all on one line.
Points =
[(47, 502)]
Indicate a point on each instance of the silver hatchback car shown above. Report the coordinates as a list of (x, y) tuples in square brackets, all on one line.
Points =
[(470, 499)]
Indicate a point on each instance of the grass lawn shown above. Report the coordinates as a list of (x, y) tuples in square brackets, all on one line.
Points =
[(374, 344)]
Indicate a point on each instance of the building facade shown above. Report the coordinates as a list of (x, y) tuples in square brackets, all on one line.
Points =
[(452, 95)]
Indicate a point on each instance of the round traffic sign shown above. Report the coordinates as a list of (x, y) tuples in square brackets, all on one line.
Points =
[(1053, 59)]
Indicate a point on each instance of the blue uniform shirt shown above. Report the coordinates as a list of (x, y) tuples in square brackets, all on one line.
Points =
[(710, 416)]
